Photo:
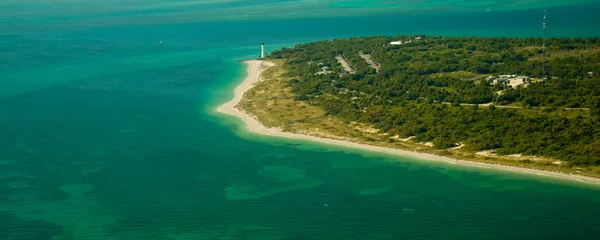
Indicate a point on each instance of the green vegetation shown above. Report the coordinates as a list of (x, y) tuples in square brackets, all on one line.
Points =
[(448, 90)]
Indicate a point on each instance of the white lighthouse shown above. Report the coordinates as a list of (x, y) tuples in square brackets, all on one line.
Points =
[(262, 50)]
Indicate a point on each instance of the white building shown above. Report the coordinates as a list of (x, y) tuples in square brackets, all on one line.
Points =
[(397, 42), (324, 70)]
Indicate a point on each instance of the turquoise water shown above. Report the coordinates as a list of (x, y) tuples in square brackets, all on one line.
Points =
[(107, 133)]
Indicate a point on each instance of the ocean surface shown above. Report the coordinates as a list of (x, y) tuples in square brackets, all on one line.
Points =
[(108, 128)]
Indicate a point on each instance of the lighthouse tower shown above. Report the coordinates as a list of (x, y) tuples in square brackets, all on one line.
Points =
[(262, 50)]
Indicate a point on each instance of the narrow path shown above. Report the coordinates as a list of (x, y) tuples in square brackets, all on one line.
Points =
[(501, 106), (483, 105)]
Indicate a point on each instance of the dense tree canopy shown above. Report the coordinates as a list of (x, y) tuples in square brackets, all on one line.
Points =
[(447, 90)]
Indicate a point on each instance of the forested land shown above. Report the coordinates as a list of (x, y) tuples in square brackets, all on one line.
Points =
[(449, 91)]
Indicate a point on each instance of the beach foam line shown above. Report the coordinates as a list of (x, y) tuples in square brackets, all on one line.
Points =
[(256, 67)]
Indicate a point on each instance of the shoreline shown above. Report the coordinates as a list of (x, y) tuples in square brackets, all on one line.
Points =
[(256, 67)]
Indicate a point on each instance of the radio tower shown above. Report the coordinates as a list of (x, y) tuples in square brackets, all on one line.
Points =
[(544, 46)]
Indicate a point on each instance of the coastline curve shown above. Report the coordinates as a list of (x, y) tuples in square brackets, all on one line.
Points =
[(256, 67)]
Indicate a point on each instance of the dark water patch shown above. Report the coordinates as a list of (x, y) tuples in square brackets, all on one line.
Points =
[(14, 228)]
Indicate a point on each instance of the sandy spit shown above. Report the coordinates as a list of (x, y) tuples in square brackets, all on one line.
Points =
[(256, 67)]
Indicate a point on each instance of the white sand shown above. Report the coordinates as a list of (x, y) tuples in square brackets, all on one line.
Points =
[(256, 67)]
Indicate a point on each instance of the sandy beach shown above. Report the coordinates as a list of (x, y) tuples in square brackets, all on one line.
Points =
[(256, 67)]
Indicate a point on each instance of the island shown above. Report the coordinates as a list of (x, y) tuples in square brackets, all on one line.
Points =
[(524, 104)]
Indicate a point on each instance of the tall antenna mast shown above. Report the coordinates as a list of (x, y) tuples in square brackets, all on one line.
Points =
[(544, 46)]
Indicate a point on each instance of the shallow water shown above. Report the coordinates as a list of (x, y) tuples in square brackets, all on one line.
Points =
[(107, 133)]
